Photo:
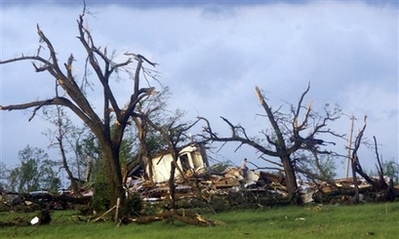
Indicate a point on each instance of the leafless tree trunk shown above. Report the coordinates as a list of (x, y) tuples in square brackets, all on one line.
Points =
[(144, 151), (382, 185), (75, 98), (357, 168), (60, 137), (281, 149), (173, 135), (281, 135)]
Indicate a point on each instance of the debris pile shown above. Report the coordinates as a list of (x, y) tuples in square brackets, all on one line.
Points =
[(230, 188), (259, 185), (37, 200), (210, 184)]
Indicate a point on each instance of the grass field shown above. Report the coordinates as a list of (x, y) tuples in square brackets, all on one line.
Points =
[(361, 221)]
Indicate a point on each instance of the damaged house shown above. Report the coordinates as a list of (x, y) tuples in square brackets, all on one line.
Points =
[(230, 184), (192, 159)]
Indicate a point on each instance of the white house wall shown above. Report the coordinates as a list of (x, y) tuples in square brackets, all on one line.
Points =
[(161, 168), (162, 164)]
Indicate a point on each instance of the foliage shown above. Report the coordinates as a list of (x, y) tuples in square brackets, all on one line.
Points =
[(101, 187), (221, 166), (36, 172), (132, 206), (67, 138), (4, 176), (323, 164), (391, 169), (90, 154)]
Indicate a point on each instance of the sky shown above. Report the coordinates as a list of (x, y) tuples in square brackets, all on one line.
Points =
[(212, 54)]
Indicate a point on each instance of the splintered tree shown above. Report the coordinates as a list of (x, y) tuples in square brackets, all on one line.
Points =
[(150, 140), (61, 138), (112, 113), (379, 184), (289, 134), (174, 133)]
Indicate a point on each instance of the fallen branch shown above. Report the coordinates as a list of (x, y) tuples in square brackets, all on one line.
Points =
[(183, 216), (104, 214)]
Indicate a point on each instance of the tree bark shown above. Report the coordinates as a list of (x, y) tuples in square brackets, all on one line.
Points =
[(76, 100), (290, 177), (172, 187), (355, 182), (111, 156), (144, 152), (281, 149)]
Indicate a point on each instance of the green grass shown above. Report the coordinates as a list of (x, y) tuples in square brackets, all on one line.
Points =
[(362, 221)]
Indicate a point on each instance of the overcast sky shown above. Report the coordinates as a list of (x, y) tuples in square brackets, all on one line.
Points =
[(212, 54)]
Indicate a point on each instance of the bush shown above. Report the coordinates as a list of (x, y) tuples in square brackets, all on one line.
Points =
[(132, 206), (101, 198), (101, 201)]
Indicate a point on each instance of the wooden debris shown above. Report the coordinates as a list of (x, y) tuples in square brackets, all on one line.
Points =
[(102, 217), (180, 215)]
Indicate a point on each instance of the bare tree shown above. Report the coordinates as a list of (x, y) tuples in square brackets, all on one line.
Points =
[(380, 168), (378, 184), (286, 137), (150, 110), (75, 98), (64, 127), (174, 134), (70, 140)]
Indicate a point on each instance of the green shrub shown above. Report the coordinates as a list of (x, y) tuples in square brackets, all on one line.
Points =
[(132, 206), (102, 194)]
